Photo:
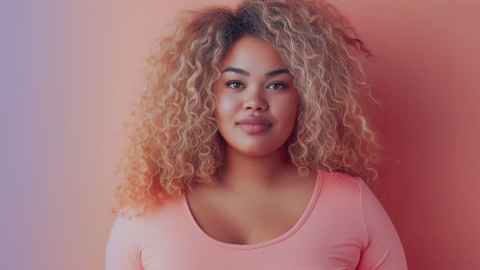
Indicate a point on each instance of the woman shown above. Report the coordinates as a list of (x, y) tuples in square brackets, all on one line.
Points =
[(250, 150)]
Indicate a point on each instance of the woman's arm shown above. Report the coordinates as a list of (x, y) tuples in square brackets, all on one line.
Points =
[(384, 250), (123, 250)]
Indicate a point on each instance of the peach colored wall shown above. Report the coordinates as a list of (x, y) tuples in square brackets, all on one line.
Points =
[(87, 70), (424, 75)]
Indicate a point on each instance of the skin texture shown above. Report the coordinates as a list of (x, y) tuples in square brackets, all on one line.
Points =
[(254, 162), (259, 195)]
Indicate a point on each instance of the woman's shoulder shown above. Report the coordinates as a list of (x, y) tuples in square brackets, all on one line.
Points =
[(151, 216), (343, 182)]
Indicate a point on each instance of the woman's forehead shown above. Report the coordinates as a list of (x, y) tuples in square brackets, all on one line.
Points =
[(252, 55)]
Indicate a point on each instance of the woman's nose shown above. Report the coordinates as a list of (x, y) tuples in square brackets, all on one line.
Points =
[(255, 101)]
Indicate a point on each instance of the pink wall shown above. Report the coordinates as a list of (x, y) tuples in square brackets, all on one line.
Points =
[(87, 69), (424, 75)]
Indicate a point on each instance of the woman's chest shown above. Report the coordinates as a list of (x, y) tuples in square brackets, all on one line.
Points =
[(247, 224), (248, 220), (325, 239), (309, 248)]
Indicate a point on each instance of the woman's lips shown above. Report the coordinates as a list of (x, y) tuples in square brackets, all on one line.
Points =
[(253, 129)]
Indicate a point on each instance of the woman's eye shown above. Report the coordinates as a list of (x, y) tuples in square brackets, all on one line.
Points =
[(234, 84), (278, 85)]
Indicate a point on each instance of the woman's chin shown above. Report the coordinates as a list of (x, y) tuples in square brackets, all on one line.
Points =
[(255, 149)]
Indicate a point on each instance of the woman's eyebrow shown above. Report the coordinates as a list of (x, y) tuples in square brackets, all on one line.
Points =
[(272, 73)]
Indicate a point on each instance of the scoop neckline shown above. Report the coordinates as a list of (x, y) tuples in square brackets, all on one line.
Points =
[(290, 232)]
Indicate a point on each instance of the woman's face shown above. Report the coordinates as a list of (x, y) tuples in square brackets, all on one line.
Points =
[(255, 84)]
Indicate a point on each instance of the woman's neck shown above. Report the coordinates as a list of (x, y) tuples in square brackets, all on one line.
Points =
[(253, 174)]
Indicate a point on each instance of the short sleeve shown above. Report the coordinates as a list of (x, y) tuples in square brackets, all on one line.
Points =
[(123, 250), (384, 250)]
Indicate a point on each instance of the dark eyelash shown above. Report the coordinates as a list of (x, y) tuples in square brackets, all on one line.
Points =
[(284, 85), (228, 83)]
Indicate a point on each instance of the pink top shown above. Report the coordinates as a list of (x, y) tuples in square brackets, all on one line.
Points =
[(344, 227)]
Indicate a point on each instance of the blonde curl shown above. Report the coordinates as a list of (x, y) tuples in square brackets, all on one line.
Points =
[(174, 140)]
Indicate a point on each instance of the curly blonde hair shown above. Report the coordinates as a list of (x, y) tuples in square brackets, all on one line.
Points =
[(175, 140)]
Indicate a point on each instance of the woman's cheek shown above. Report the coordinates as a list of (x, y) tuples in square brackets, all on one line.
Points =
[(226, 106), (288, 115)]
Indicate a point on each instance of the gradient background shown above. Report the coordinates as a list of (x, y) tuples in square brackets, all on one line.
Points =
[(71, 71)]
